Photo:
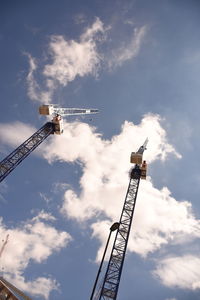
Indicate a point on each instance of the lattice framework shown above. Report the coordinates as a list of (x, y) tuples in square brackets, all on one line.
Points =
[(114, 269), (9, 163)]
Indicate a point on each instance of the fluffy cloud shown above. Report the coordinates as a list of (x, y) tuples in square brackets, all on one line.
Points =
[(129, 50), (13, 134), (182, 272), (100, 231), (69, 59), (33, 240), (105, 163), (35, 92), (72, 58), (159, 218), (40, 287)]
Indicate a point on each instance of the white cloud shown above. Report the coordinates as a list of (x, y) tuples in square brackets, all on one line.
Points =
[(69, 59), (44, 216), (33, 87), (34, 240), (105, 163), (77, 58), (35, 92), (182, 272), (100, 231), (40, 287), (72, 58), (159, 218), (129, 50), (15, 133), (90, 32)]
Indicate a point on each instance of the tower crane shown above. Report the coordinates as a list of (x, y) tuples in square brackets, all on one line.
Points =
[(113, 272), (9, 163)]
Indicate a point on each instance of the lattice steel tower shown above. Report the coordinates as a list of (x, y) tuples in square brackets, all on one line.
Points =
[(113, 273)]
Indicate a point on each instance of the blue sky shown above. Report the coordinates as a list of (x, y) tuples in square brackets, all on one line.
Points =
[(138, 62)]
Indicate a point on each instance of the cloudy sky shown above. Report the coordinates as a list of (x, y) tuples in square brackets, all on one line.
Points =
[(138, 62)]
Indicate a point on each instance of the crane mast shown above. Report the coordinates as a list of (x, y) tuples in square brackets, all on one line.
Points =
[(56, 126), (113, 273)]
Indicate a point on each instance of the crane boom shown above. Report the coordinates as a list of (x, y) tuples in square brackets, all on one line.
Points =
[(51, 109), (9, 163), (113, 273), (143, 147), (74, 111)]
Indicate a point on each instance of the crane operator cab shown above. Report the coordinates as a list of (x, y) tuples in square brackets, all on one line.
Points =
[(136, 158), (58, 124), (46, 109)]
